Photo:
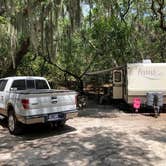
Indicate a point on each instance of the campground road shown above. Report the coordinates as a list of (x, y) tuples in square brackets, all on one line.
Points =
[(97, 137)]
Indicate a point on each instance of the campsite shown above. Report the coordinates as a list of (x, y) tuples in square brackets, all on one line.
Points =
[(100, 135), (83, 82)]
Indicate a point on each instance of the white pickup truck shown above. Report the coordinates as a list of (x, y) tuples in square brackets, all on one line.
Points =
[(30, 100)]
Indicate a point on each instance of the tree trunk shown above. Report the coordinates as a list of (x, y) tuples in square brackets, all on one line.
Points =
[(10, 71)]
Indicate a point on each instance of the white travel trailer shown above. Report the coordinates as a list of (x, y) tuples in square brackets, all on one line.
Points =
[(137, 80)]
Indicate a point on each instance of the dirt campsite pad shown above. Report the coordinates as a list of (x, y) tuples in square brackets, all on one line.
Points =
[(99, 136)]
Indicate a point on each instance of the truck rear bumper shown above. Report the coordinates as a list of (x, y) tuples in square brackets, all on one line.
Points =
[(45, 117)]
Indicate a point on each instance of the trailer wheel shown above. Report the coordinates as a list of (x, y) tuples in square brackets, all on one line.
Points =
[(13, 125)]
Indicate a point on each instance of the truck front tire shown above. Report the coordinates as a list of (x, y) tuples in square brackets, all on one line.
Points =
[(13, 125)]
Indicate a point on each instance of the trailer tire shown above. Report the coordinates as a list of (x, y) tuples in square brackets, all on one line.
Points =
[(14, 126)]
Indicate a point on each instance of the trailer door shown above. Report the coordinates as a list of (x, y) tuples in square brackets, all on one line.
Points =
[(117, 84)]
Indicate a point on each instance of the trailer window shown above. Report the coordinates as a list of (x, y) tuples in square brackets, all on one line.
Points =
[(3, 84), (117, 76), (41, 84), (19, 84)]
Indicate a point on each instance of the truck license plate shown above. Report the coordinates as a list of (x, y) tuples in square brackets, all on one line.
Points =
[(53, 117)]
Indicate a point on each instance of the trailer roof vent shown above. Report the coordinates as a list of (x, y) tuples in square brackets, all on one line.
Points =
[(146, 61)]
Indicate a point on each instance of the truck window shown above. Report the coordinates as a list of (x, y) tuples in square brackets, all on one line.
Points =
[(41, 84), (30, 84), (2, 84), (19, 84)]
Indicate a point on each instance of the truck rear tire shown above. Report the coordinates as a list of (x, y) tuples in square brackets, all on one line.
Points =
[(61, 123), (58, 124), (13, 125)]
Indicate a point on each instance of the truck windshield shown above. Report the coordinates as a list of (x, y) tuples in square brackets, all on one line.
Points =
[(29, 84)]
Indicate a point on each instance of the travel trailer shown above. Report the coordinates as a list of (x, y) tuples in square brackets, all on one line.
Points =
[(137, 80)]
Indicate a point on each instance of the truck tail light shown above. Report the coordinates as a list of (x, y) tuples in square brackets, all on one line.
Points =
[(25, 103)]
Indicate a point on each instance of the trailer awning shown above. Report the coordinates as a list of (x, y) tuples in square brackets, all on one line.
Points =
[(103, 71)]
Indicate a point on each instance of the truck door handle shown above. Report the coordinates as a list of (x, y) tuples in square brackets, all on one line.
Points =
[(54, 99)]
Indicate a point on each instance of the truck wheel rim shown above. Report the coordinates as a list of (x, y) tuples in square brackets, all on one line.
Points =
[(11, 123)]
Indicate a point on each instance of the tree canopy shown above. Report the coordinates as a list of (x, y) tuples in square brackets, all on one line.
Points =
[(63, 39)]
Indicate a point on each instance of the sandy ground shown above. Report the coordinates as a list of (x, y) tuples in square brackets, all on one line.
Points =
[(99, 136)]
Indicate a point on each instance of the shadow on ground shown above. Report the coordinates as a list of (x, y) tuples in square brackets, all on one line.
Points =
[(31, 132), (44, 130), (3, 122), (98, 146), (157, 135), (99, 111), (94, 110)]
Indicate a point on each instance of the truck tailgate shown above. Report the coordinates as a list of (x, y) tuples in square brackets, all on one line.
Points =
[(50, 102)]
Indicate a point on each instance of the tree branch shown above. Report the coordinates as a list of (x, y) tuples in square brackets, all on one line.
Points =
[(47, 58), (94, 57), (159, 12), (128, 7), (153, 8), (2, 10)]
